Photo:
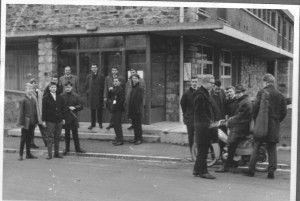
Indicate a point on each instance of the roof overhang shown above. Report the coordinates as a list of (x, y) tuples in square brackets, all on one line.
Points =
[(117, 30)]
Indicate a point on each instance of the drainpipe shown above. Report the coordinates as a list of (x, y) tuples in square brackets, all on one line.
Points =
[(181, 60)]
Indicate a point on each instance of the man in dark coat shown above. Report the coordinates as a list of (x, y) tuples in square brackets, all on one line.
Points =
[(108, 86), (72, 105), (135, 109), (218, 98), (187, 106), (205, 131), (277, 112), (128, 88), (117, 96), (238, 124), (27, 119), (94, 87), (52, 118)]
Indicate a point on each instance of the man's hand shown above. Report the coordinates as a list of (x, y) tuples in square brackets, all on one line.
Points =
[(110, 88), (44, 124), (72, 108), (63, 122)]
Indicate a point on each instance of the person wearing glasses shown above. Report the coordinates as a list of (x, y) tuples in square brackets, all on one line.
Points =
[(204, 119), (239, 125)]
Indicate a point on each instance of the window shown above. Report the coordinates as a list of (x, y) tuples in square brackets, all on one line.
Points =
[(273, 19), (204, 61), (226, 68)]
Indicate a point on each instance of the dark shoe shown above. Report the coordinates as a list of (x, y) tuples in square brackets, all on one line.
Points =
[(222, 169), (20, 158), (207, 176), (49, 157), (118, 143), (65, 152), (90, 127), (196, 174), (138, 142), (33, 146), (100, 126), (57, 156), (248, 173), (271, 175), (109, 127), (81, 151), (130, 127), (30, 156)]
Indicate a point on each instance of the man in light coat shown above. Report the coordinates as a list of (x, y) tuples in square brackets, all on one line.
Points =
[(277, 112), (69, 77)]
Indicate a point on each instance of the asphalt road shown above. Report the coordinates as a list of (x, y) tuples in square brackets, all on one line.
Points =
[(77, 178)]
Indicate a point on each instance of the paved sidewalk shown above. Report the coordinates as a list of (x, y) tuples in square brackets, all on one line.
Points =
[(145, 151)]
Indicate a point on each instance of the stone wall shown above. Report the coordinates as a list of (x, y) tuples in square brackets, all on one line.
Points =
[(11, 106), (252, 71), (36, 16), (47, 60)]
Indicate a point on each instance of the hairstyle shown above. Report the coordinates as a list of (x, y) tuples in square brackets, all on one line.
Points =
[(230, 87), (218, 83), (136, 75), (32, 80), (206, 78), (133, 69), (115, 67), (54, 76), (52, 83), (68, 83), (117, 78), (269, 78), (67, 67), (27, 85), (194, 77), (94, 64)]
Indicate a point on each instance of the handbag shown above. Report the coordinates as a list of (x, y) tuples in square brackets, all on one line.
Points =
[(262, 120)]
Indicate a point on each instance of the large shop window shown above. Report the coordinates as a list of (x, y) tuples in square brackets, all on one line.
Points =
[(21, 65), (226, 68), (204, 61)]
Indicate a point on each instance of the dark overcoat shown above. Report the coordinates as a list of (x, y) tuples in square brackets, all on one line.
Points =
[(117, 96), (187, 106), (136, 102), (109, 83), (95, 87), (27, 113), (204, 115), (71, 117), (239, 123), (52, 109), (218, 100), (230, 106), (277, 112)]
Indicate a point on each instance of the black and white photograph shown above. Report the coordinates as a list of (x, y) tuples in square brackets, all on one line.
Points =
[(149, 100)]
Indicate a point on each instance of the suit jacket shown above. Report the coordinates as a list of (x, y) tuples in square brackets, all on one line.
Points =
[(187, 106), (117, 96), (204, 115), (109, 83), (72, 78), (277, 112), (52, 109), (71, 117), (59, 90), (95, 86), (128, 89), (27, 115)]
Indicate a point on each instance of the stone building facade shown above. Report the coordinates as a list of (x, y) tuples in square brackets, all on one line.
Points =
[(237, 46)]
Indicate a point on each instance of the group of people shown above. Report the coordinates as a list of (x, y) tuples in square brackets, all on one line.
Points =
[(205, 105), (57, 107)]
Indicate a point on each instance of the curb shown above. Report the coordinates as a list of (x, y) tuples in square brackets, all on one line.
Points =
[(134, 157), (105, 155)]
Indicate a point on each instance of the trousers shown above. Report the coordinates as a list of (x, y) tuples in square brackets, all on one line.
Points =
[(26, 136), (53, 134)]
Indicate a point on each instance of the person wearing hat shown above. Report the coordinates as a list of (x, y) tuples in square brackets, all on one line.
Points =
[(238, 124), (38, 96)]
